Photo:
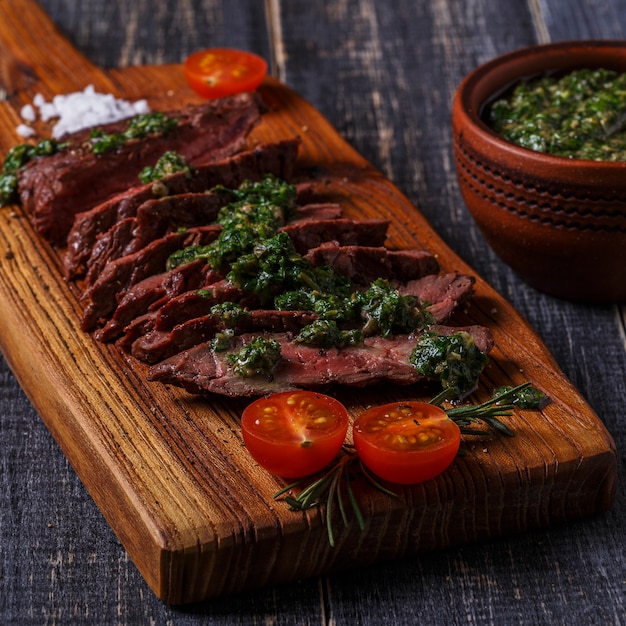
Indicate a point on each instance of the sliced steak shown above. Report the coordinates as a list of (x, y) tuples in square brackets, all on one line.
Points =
[(201, 370), (273, 158), (119, 275), (55, 188), (197, 303), (185, 306), (152, 292), (318, 211), (407, 265), (442, 292), (312, 233), (172, 327), (111, 245), (363, 264), (139, 327), (158, 345), (154, 219)]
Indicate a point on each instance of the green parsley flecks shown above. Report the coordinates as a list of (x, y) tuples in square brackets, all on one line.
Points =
[(581, 115)]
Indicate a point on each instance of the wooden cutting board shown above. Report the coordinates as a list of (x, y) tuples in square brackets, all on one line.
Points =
[(169, 471)]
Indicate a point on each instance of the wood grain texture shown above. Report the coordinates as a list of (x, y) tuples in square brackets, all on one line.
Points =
[(61, 565), (169, 472)]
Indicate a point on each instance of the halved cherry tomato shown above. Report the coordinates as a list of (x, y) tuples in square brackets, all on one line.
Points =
[(219, 72), (294, 433), (406, 442)]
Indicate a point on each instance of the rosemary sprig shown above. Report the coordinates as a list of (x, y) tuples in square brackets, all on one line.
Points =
[(503, 401), (335, 483), (330, 486)]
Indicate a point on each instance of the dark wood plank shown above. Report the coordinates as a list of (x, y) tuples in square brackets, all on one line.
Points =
[(115, 34), (584, 20)]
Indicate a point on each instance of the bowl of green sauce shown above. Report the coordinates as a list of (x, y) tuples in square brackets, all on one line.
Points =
[(539, 139)]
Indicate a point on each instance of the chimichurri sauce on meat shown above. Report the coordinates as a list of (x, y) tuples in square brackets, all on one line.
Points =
[(581, 115)]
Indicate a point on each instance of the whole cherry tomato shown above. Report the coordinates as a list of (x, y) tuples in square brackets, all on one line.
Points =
[(294, 433), (219, 72), (406, 442)]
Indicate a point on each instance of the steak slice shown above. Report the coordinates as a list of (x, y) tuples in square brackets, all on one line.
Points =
[(119, 275), (276, 158), (363, 264), (154, 219), (152, 292), (171, 328), (158, 345), (318, 211), (55, 188), (112, 244), (312, 233), (197, 303), (442, 292), (200, 369), (184, 307)]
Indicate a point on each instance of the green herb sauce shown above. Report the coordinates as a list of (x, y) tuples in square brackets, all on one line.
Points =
[(263, 261), (257, 357), (139, 127), (269, 191), (581, 115), (255, 214), (169, 163), (17, 157), (222, 340), (326, 334), (525, 397), (271, 264), (229, 312), (385, 312), (454, 359)]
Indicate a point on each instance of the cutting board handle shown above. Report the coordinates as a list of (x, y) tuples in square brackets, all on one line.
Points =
[(35, 56)]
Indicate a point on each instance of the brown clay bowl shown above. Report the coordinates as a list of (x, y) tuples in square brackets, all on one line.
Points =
[(559, 223)]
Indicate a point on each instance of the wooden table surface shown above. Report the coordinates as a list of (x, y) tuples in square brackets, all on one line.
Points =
[(384, 74)]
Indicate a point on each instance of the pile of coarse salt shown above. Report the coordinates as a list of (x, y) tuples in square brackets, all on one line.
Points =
[(78, 110)]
